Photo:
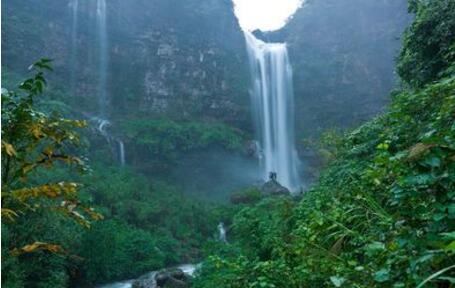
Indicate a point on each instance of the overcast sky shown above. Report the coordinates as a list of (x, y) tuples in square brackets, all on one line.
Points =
[(266, 15)]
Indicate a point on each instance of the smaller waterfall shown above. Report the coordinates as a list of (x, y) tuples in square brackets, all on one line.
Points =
[(74, 6), (121, 148), (222, 232), (103, 57), (103, 63), (102, 125)]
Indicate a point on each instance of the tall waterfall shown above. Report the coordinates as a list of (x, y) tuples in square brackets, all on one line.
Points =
[(74, 5), (103, 57), (273, 109), (103, 63)]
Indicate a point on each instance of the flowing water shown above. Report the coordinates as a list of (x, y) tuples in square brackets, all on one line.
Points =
[(121, 148), (74, 5), (103, 57), (103, 65), (222, 232), (188, 269), (273, 110)]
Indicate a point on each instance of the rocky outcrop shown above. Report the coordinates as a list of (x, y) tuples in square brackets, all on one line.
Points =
[(180, 59), (273, 188), (186, 59), (343, 58), (168, 278)]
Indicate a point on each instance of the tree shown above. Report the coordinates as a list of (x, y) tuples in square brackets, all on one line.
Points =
[(429, 44), (32, 141)]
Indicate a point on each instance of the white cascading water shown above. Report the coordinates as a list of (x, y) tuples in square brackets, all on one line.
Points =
[(188, 269), (74, 5), (121, 148), (273, 109), (103, 63), (222, 232), (103, 58)]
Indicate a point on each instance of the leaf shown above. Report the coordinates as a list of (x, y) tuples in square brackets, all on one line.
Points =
[(8, 213), (336, 248), (438, 217), (450, 247), (432, 161), (448, 279), (448, 235), (337, 281), (27, 168), (37, 246), (43, 63), (9, 149), (435, 275), (417, 150), (67, 189), (382, 275), (383, 146), (374, 248)]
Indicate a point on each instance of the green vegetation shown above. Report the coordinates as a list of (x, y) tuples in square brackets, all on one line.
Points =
[(148, 224), (33, 141), (166, 140), (381, 215), (428, 52), (383, 212)]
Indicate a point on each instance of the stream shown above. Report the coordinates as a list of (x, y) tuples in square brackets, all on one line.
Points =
[(188, 269)]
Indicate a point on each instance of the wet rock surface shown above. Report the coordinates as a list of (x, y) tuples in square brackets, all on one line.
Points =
[(274, 188), (168, 278)]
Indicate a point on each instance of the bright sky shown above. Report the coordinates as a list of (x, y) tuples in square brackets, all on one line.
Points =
[(265, 15)]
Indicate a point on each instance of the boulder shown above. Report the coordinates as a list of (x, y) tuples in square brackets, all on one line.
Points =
[(146, 281), (171, 278), (166, 278), (273, 188)]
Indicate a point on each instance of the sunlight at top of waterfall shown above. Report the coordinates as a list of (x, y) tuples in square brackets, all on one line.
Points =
[(265, 15)]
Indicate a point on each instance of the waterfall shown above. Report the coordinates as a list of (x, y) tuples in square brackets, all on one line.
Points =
[(74, 6), (103, 56), (102, 124), (222, 232), (103, 62), (121, 148), (273, 109)]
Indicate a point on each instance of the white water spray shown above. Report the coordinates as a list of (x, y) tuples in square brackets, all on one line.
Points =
[(273, 109)]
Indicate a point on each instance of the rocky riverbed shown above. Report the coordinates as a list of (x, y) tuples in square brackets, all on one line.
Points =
[(177, 277)]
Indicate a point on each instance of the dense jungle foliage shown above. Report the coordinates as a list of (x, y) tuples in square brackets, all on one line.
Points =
[(383, 212), (381, 215), (125, 224)]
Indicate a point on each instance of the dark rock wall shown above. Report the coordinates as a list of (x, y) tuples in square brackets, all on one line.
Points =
[(186, 59), (343, 55), (183, 59)]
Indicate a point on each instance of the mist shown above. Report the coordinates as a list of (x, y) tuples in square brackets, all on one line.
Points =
[(154, 143)]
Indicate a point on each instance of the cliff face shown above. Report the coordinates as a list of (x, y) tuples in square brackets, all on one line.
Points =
[(343, 54), (167, 58), (186, 59)]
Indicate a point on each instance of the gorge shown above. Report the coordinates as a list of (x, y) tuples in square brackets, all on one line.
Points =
[(314, 150)]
